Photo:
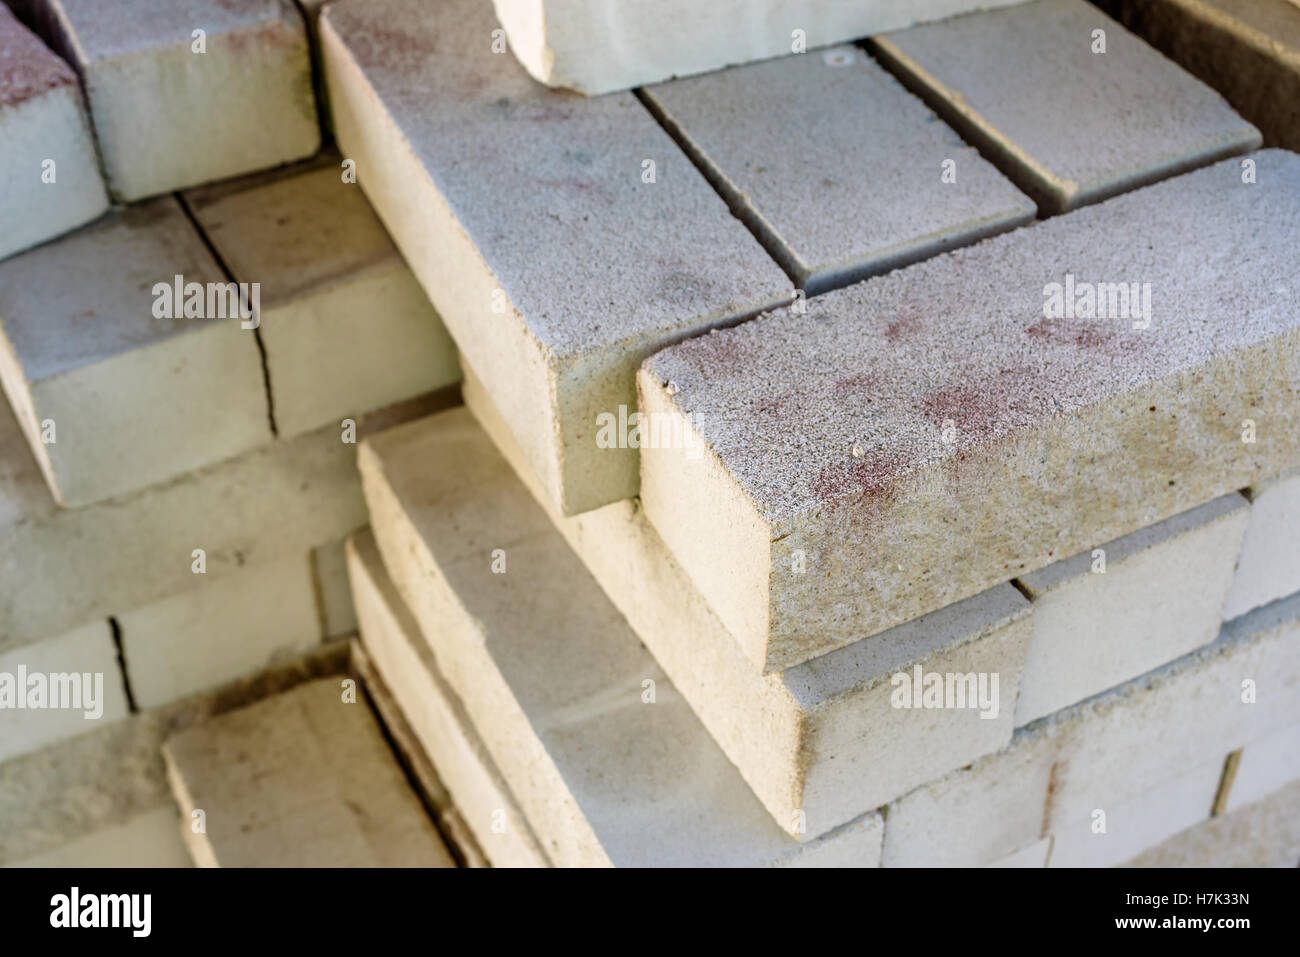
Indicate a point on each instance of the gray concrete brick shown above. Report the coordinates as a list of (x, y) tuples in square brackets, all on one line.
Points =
[(42, 121), (345, 326), (601, 45), (135, 397), (444, 730), (1248, 50), (1269, 568), (1108, 615), (834, 166), (300, 779), (605, 757), (822, 740), (556, 267), (920, 437), (1071, 126), (168, 114), (1111, 752)]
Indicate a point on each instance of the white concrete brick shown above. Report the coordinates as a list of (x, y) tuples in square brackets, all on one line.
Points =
[(345, 326), (822, 738), (1266, 766), (556, 268), (1035, 855), (168, 116), (596, 46), (1159, 594), (300, 779), (42, 121), (1107, 752), (1141, 822), (60, 568), (392, 639), (1069, 124), (151, 839), (606, 759), (987, 445), (219, 630), (134, 399), (1264, 834), (1269, 568), (89, 659), (777, 139)]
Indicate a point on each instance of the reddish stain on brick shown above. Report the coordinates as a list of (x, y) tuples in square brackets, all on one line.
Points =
[(27, 67), (860, 383), (872, 477), (1096, 335)]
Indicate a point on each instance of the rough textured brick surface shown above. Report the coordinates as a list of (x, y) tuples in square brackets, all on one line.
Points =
[(300, 779), (61, 568), (42, 120), (606, 759), (1269, 568), (345, 326), (834, 166), (1248, 50), (558, 267), (134, 398), (1110, 751), (151, 839), (1264, 834), (601, 45), (166, 116), (444, 730), (822, 738), (1070, 125), (1159, 594), (217, 631), (86, 652), (990, 438)]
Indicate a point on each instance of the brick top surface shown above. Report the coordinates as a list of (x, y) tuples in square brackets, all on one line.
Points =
[(27, 67), (1277, 19), (548, 184), (882, 365), (107, 29)]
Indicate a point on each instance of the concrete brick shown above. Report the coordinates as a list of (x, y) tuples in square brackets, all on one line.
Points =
[(1110, 751), (1161, 595), (135, 399), (596, 46), (103, 780), (774, 139), (991, 436), (166, 116), (1266, 766), (88, 652), (556, 293), (1264, 834), (1269, 568), (151, 839), (333, 596), (42, 120), (1141, 822), (61, 568), (605, 757), (302, 779), (823, 737), (217, 631), (1070, 126), (345, 326), (1035, 855), (1248, 50), (444, 730)]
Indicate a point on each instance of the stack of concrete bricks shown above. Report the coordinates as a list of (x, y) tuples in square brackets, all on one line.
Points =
[(883, 453), (752, 547), (188, 371)]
